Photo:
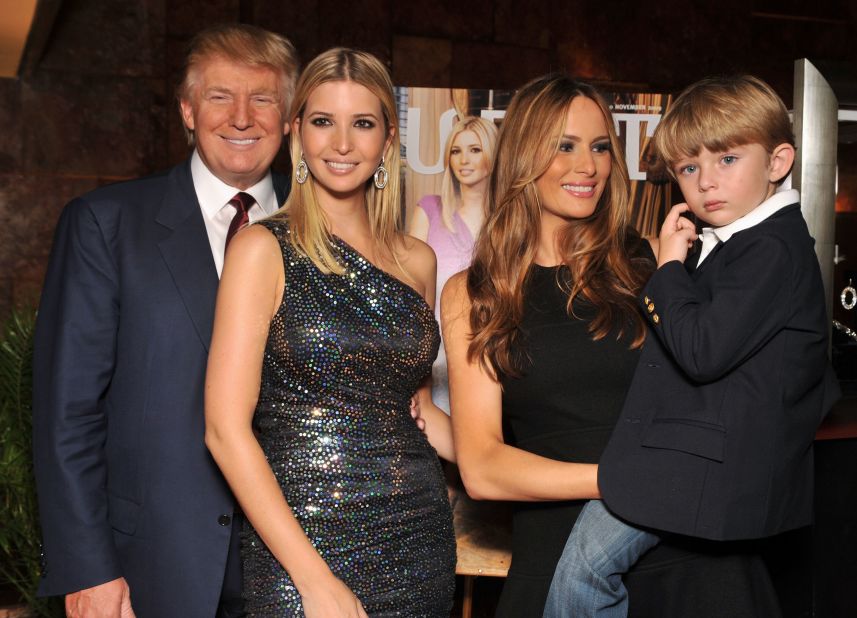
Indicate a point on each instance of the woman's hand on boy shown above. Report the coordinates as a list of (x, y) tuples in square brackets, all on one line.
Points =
[(676, 237)]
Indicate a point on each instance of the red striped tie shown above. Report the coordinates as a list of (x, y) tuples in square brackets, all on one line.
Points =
[(243, 202)]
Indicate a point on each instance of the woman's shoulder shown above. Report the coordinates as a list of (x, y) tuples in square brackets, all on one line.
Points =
[(417, 259), (455, 298), (256, 241), (254, 255), (418, 247), (414, 248), (457, 283), (277, 223)]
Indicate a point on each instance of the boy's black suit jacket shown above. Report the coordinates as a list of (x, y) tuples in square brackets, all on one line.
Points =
[(715, 438)]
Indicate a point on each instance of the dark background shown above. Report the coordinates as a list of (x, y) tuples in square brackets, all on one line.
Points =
[(94, 100)]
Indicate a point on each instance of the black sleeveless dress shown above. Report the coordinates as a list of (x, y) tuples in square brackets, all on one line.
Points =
[(564, 407), (344, 355)]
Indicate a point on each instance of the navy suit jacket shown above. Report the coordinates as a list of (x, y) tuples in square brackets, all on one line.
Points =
[(715, 438), (126, 486)]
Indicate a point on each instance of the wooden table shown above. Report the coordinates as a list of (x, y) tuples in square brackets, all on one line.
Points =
[(483, 537)]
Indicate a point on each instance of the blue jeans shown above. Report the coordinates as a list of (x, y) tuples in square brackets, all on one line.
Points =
[(587, 582)]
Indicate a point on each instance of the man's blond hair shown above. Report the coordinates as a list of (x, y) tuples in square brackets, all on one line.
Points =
[(243, 44)]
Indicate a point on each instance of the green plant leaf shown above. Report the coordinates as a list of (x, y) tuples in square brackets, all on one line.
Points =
[(19, 528)]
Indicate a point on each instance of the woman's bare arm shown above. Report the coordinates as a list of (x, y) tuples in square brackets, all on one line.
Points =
[(250, 292), (490, 468), (422, 266)]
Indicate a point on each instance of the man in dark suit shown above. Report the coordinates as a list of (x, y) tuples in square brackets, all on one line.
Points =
[(134, 512)]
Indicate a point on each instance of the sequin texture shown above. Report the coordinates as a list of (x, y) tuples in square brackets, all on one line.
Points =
[(344, 355)]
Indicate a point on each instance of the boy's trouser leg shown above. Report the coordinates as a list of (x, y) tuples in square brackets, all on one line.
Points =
[(587, 582)]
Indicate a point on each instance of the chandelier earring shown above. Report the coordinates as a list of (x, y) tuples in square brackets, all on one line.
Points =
[(301, 171), (848, 298), (381, 175)]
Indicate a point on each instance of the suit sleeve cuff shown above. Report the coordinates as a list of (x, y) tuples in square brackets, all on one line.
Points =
[(662, 285)]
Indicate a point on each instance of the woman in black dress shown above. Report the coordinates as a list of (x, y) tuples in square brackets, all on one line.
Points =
[(543, 336)]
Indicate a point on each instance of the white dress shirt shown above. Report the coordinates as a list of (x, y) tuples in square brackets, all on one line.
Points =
[(214, 195), (713, 235)]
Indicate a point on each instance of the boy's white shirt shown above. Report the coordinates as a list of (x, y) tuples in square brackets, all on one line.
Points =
[(713, 235)]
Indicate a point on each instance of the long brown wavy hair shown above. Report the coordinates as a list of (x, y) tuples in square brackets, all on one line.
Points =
[(597, 249)]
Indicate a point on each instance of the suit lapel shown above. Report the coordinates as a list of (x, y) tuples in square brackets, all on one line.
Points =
[(693, 256), (700, 268), (281, 187), (187, 252)]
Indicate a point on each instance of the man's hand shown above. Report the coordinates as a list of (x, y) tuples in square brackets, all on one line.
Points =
[(108, 600), (676, 237)]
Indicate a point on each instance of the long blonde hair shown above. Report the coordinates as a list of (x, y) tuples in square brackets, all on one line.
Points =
[(309, 232), (597, 250), (450, 188)]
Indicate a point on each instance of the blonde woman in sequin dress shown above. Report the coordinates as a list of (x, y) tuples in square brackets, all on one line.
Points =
[(324, 329)]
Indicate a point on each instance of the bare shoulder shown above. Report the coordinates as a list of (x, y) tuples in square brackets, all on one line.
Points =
[(253, 273), (457, 284), (455, 299), (418, 259), (254, 246), (415, 248), (255, 238)]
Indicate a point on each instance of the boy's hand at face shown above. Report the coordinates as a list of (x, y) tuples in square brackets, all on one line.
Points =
[(676, 237)]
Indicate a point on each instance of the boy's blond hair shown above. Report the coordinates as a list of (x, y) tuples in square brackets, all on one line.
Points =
[(719, 113)]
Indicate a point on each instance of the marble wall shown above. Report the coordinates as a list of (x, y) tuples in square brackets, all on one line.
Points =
[(96, 105)]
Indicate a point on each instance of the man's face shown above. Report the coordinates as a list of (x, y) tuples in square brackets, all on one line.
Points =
[(236, 112)]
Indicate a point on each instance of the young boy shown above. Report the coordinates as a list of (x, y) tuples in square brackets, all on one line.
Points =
[(715, 439)]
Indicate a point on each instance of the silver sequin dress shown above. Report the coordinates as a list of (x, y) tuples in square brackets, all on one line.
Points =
[(344, 355)]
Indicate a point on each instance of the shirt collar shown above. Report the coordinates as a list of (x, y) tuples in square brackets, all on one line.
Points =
[(213, 194), (712, 235)]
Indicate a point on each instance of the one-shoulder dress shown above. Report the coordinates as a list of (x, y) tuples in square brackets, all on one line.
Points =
[(343, 357), (564, 407)]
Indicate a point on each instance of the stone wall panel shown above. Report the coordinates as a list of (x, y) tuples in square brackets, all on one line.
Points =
[(29, 207), (108, 36), (422, 61), (11, 137), (523, 23), (184, 18), (94, 125), (480, 65), (468, 21)]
